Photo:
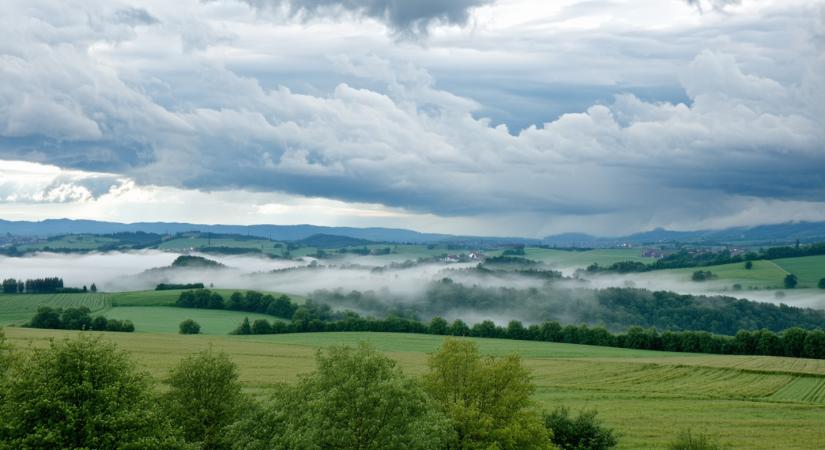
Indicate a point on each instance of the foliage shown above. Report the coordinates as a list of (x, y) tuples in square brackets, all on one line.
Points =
[(821, 283), (81, 393), (583, 432), (205, 398), (790, 281), (250, 301), (195, 261), (189, 326), (688, 440), (702, 275), (795, 341), (748, 265), (486, 399), (76, 319), (356, 398), (614, 308), (33, 286)]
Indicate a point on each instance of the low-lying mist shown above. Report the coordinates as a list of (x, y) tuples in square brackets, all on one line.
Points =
[(389, 288)]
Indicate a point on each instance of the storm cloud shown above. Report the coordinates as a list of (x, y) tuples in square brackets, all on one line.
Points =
[(222, 99), (406, 17)]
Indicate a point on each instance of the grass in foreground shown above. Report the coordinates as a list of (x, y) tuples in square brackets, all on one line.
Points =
[(749, 402)]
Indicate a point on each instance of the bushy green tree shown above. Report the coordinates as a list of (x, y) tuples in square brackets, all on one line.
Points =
[(81, 393), (582, 432), (748, 265), (821, 283), (486, 399), (189, 326), (790, 281), (688, 440), (205, 398), (356, 399)]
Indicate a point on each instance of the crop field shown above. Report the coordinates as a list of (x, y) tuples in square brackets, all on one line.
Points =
[(19, 308), (751, 402)]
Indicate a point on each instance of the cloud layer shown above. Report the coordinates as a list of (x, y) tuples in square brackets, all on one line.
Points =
[(218, 96)]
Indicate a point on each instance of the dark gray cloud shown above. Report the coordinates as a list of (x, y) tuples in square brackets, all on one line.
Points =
[(409, 17), (718, 5), (597, 138), (134, 17)]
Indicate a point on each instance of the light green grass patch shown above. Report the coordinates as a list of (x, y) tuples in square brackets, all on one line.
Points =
[(808, 269)]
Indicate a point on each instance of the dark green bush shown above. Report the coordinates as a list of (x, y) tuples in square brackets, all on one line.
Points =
[(583, 432)]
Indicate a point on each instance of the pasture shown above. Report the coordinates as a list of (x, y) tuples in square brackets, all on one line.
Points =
[(809, 269), (748, 402), (165, 319), (150, 311), (566, 259), (765, 274)]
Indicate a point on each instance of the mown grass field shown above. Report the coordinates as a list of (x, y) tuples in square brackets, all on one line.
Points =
[(749, 402)]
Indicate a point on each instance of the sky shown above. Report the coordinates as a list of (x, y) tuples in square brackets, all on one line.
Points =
[(488, 117)]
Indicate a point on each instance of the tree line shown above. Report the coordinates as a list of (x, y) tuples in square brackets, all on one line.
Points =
[(42, 286), (249, 301), (355, 398), (76, 319), (793, 342), (615, 308)]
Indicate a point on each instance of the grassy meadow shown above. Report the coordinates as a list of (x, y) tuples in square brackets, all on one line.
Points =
[(751, 402), (150, 311)]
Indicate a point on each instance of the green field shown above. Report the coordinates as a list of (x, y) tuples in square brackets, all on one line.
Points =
[(150, 311), (751, 402), (809, 269), (187, 243), (604, 257), (165, 319), (16, 309), (764, 274), (70, 241)]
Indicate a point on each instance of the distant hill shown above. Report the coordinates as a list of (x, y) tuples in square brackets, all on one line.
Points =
[(331, 241), (195, 261), (784, 233), (53, 227), (759, 235)]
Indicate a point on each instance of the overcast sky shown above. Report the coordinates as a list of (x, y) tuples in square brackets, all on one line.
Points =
[(494, 117)]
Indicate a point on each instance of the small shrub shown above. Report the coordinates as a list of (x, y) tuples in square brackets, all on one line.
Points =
[(790, 281), (189, 326), (748, 265), (582, 432), (687, 440), (821, 284)]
